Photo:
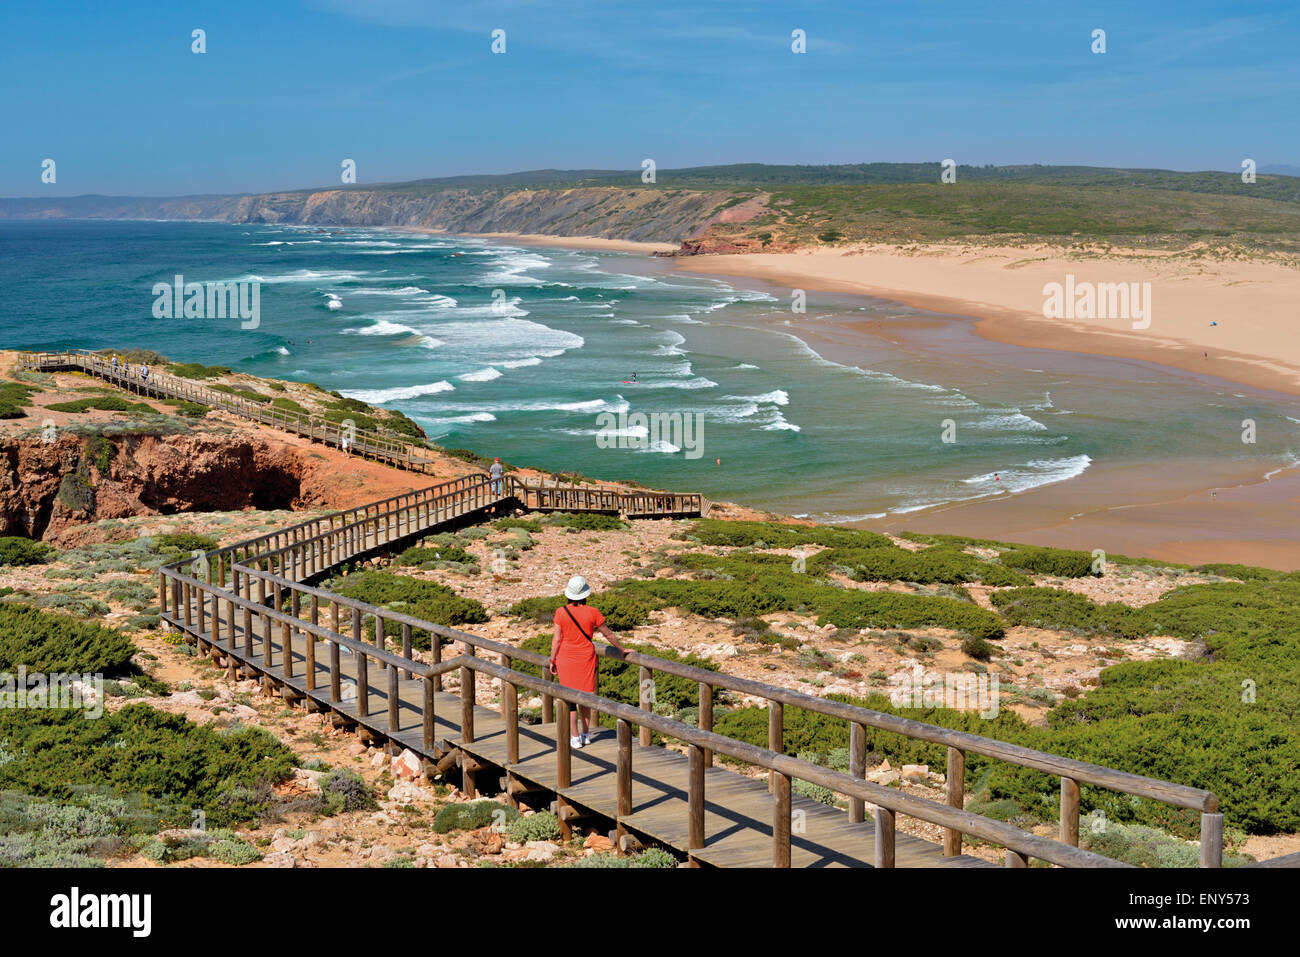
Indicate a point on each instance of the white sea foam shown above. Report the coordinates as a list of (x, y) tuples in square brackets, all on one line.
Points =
[(776, 397), (1031, 474), (482, 375), (383, 327), (744, 365), (1010, 420), (520, 363), (377, 396)]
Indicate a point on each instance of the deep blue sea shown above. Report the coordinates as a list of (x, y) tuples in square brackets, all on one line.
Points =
[(517, 351)]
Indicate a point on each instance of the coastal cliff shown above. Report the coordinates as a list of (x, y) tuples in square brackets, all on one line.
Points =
[(642, 215)]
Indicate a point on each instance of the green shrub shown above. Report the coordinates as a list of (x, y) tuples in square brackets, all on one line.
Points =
[(818, 793), (344, 790), (173, 764), (542, 826), (52, 644), (584, 521), (15, 550), (622, 611), (711, 531), (234, 852), (103, 403), (429, 556), (195, 370), (14, 398), (1063, 610), (428, 601), (471, 815), (100, 451), (185, 543), (1058, 562), (289, 405), (653, 857)]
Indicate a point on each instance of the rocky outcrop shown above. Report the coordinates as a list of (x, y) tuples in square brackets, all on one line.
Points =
[(715, 245), (49, 488)]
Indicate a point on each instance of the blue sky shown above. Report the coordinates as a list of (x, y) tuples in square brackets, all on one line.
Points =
[(409, 89)]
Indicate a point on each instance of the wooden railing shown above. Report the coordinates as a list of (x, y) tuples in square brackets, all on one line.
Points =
[(368, 444), (278, 562)]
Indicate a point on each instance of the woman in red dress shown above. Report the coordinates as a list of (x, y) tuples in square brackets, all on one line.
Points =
[(573, 654)]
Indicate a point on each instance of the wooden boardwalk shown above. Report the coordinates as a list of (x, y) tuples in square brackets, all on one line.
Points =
[(738, 811), (251, 601)]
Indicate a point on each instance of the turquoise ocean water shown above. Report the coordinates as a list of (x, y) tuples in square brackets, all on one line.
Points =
[(805, 417)]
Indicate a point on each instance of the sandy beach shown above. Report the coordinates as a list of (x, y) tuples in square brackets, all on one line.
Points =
[(1230, 318), (1219, 512)]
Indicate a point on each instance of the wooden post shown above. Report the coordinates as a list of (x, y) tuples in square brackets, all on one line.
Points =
[(1070, 811), (955, 787), (407, 651), (1211, 840), (394, 702), (624, 767), (706, 717), (775, 736), (248, 635), (310, 639), (646, 699), (884, 837), (781, 821), (1016, 859), (857, 768), (510, 706), (466, 705), (563, 762), (286, 649), (435, 645), (363, 684), (696, 800), (336, 680), (428, 713)]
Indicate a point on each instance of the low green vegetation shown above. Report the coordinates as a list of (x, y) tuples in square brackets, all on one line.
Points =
[(1057, 562), (15, 550), (471, 815), (654, 857), (583, 521), (102, 403), (431, 556), (15, 397), (195, 370), (542, 826), (166, 763), (622, 611), (426, 600), (52, 643)]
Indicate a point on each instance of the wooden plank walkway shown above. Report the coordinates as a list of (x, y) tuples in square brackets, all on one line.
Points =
[(738, 809)]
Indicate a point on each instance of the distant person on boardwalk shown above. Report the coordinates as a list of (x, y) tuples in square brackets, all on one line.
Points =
[(496, 471), (115, 363), (573, 654)]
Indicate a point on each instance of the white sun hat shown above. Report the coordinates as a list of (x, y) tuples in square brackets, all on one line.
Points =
[(578, 589)]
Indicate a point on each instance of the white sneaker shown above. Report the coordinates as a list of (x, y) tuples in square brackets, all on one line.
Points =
[(577, 742), (586, 739)]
